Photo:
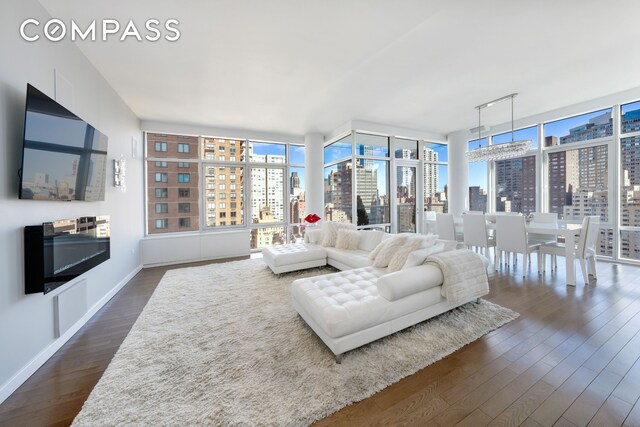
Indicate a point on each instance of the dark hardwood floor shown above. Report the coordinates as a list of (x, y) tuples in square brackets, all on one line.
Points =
[(571, 358)]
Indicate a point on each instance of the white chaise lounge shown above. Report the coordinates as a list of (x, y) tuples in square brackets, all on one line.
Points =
[(352, 308)]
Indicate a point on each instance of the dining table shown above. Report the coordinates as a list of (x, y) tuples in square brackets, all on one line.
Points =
[(568, 231)]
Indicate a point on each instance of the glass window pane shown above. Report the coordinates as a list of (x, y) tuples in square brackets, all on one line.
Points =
[(339, 149), (372, 145), (478, 180), (605, 242), (516, 185), (406, 149), (165, 197), (337, 192), (267, 195), (296, 154), (266, 152), (231, 149), (578, 183), (630, 117), (579, 128), (530, 133), (630, 191), (296, 233), (296, 196), (174, 146), (267, 236), (372, 183), (630, 244), (220, 213), (406, 198), (436, 152), (435, 188)]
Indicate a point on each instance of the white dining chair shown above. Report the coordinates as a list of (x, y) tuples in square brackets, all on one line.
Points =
[(544, 219), (428, 221), (511, 236), (445, 227), (585, 249), (474, 230)]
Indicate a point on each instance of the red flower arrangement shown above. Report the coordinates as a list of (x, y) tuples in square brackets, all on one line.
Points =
[(312, 218)]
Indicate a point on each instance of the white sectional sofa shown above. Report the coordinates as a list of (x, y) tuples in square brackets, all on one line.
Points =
[(362, 303)]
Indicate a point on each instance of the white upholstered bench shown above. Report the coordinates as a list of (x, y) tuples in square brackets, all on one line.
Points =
[(292, 257)]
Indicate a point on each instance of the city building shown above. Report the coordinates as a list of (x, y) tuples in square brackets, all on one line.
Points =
[(477, 199), (173, 187)]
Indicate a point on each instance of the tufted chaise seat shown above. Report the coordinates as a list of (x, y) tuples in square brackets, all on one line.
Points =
[(342, 302), (351, 308), (295, 256)]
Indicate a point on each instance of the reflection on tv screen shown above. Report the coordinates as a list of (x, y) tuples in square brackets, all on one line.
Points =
[(64, 157)]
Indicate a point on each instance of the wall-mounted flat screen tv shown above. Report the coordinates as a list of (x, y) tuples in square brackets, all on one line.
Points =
[(63, 157)]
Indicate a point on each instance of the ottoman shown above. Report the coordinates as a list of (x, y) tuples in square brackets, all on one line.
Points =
[(295, 256)]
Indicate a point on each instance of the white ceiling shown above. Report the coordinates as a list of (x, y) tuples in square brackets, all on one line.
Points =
[(299, 66)]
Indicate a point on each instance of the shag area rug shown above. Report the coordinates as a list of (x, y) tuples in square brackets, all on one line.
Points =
[(222, 345)]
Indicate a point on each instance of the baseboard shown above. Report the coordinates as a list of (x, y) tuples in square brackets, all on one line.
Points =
[(232, 257), (30, 368)]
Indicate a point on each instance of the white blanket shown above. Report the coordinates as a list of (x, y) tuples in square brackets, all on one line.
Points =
[(465, 276)]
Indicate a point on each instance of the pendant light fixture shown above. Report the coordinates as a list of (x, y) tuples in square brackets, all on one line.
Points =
[(499, 151)]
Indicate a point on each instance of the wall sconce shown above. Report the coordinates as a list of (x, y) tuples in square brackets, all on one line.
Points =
[(119, 173)]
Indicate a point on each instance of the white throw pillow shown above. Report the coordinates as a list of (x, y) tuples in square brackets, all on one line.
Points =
[(418, 257), (400, 254), (369, 239), (314, 236), (391, 246), (330, 232), (429, 240), (347, 239)]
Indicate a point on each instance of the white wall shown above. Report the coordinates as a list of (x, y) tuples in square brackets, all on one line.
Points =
[(26, 321)]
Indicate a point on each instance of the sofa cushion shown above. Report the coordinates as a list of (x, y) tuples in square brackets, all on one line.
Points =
[(369, 239), (330, 232), (351, 258), (383, 253), (399, 284), (419, 256), (347, 239), (313, 236), (412, 243)]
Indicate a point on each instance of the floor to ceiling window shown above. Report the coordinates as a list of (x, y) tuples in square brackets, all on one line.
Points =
[(435, 171), (359, 170), (338, 189), (478, 179), (630, 181), (245, 184), (578, 178), (372, 179), (515, 179)]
